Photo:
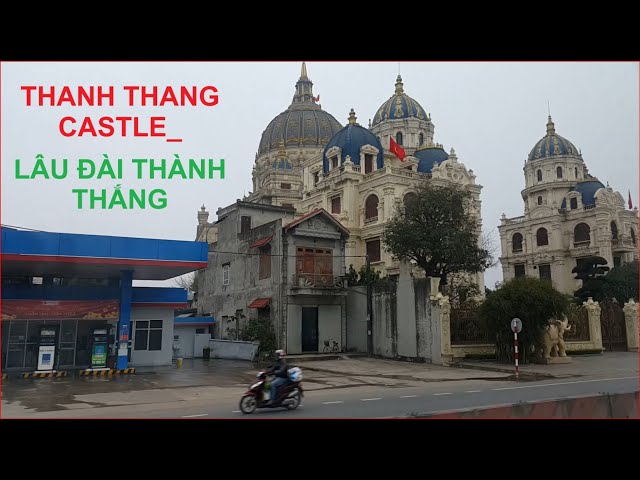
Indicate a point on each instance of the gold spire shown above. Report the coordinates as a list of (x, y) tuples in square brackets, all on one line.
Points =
[(550, 127), (352, 117), (303, 72), (282, 152), (399, 86)]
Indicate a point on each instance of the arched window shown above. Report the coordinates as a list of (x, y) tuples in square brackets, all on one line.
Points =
[(539, 175), (576, 172), (559, 172), (420, 139), (633, 236), (582, 234), (614, 231), (542, 237), (409, 199), (574, 203), (371, 208), (516, 241), (399, 138), (539, 200)]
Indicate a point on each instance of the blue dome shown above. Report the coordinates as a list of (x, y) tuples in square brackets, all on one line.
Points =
[(399, 106), (428, 157), (350, 140), (283, 163), (587, 190), (552, 144)]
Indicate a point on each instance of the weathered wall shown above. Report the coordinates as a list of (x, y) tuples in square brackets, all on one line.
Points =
[(356, 319)]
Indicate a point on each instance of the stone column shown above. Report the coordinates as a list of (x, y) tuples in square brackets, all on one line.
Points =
[(445, 331), (631, 321), (595, 330)]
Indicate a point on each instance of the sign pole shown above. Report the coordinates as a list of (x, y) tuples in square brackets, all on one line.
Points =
[(515, 338)]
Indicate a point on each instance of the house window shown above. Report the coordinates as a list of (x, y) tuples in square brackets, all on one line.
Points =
[(576, 172), (335, 205), (315, 265), (368, 163), (539, 175), (420, 139), (399, 138), (516, 242), (518, 270), (573, 203), (539, 200), (545, 272), (316, 178), (559, 172), (614, 231), (225, 274), (199, 331), (633, 236), (334, 162), (265, 262), (371, 208), (285, 186), (542, 237), (245, 224), (373, 250), (287, 205), (582, 235), (148, 335)]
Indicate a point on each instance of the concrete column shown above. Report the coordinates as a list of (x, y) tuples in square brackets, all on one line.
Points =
[(631, 321), (595, 330), (445, 330), (126, 293)]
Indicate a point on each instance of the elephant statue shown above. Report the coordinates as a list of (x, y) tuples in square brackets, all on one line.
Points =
[(553, 338)]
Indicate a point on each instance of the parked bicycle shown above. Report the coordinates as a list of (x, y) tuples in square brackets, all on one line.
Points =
[(329, 349)]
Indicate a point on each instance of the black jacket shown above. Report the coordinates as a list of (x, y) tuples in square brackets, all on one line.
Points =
[(280, 368)]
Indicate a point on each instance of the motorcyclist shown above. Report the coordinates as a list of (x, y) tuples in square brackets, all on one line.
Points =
[(280, 371)]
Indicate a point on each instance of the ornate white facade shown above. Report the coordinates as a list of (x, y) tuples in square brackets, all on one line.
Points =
[(568, 215), (351, 172)]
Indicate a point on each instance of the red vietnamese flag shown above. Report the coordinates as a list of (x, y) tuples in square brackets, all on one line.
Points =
[(396, 149), (630, 204)]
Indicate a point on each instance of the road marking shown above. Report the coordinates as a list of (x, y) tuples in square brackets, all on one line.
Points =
[(473, 391), (235, 411), (193, 416), (407, 396), (370, 399), (330, 403), (565, 383), (445, 393)]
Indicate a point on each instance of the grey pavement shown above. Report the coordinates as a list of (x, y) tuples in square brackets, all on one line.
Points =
[(351, 385)]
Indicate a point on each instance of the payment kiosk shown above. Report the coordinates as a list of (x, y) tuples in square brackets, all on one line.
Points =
[(47, 348), (99, 348)]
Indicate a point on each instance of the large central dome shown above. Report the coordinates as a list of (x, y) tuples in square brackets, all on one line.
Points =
[(552, 144), (399, 106), (304, 123)]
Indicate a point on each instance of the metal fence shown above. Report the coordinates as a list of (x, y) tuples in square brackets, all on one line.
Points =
[(467, 328), (579, 322)]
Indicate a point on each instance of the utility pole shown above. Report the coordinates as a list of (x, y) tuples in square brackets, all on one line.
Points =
[(369, 310)]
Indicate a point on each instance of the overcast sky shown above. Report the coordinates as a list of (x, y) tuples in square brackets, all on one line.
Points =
[(492, 113)]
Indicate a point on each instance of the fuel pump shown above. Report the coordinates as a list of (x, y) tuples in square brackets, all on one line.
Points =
[(99, 345), (47, 348)]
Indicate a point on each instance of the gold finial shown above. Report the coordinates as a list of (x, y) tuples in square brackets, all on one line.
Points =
[(399, 86), (352, 117), (282, 151), (550, 127), (303, 72)]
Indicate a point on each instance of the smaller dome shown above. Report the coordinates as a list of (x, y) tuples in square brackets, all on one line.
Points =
[(587, 191), (350, 140), (428, 156), (399, 106), (552, 144)]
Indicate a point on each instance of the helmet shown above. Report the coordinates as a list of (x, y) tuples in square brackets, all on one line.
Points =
[(280, 353)]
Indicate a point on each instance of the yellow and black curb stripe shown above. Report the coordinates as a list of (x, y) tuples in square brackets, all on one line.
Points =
[(105, 373), (44, 374)]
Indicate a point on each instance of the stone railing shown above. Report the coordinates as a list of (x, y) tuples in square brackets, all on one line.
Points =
[(315, 280), (514, 220)]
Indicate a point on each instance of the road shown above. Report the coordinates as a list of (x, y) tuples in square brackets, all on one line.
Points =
[(367, 402)]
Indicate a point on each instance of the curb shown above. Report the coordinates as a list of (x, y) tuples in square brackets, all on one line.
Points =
[(108, 372), (43, 374), (501, 370)]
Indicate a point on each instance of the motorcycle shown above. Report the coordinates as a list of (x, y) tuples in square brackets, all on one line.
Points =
[(289, 395)]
